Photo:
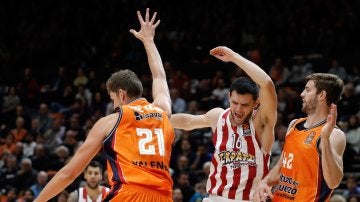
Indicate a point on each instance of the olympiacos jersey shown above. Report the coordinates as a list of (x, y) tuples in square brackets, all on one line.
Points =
[(301, 174), (138, 149), (238, 163)]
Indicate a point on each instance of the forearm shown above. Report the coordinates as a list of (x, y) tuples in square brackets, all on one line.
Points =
[(181, 121), (273, 177), (154, 59), (258, 75), (58, 183), (160, 89), (332, 170)]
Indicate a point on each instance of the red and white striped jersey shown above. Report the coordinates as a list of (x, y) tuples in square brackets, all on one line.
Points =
[(238, 163)]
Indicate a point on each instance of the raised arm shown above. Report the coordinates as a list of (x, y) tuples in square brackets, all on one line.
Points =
[(332, 148), (160, 89), (190, 122), (267, 112)]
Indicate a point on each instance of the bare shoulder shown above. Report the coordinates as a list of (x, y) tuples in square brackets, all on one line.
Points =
[(338, 140), (338, 134), (106, 123)]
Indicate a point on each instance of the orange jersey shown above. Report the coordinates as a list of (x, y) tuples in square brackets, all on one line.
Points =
[(138, 149), (301, 173)]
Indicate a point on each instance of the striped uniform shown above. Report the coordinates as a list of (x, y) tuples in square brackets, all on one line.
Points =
[(84, 197), (301, 176), (238, 163), (138, 152)]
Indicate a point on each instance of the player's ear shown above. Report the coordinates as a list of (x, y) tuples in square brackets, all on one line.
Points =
[(257, 104), (323, 95)]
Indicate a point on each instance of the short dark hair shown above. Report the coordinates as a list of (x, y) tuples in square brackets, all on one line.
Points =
[(244, 85), (94, 164), (330, 83), (126, 80)]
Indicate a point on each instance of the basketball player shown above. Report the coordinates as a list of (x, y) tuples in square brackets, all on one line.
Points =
[(92, 191), (136, 140), (242, 134), (311, 164)]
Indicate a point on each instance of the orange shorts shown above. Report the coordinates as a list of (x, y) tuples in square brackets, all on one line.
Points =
[(135, 193)]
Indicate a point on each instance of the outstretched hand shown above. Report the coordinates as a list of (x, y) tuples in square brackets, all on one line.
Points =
[(330, 122), (262, 192), (147, 30), (223, 53)]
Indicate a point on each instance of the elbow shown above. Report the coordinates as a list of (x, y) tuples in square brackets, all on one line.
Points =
[(269, 83), (68, 175), (332, 184)]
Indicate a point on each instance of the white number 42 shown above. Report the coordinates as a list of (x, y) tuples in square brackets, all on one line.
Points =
[(149, 149), (287, 160)]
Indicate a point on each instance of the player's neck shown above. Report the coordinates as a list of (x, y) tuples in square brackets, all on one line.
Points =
[(314, 119), (93, 190), (93, 193)]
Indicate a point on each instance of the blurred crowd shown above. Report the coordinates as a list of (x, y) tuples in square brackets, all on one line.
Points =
[(55, 59)]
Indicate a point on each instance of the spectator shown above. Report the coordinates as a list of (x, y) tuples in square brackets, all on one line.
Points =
[(278, 72), (26, 175), (53, 136), (92, 190), (19, 132), (41, 180), (177, 195), (183, 182), (178, 103), (352, 188), (10, 101), (9, 171), (338, 70), (200, 192)]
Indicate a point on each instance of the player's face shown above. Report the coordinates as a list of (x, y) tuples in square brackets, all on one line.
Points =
[(309, 97), (241, 106), (93, 176)]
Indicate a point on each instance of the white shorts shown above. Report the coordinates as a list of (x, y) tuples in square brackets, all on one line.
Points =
[(215, 198)]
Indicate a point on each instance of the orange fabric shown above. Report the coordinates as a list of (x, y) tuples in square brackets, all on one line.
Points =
[(19, 134), (136, 193), (301, 175), (140, 150), (10, 149)]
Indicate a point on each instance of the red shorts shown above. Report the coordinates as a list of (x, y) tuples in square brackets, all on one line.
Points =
[(135, 193)]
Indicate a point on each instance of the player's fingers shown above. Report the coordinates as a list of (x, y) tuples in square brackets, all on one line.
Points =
[(147, 15), (135, 33), (153, 18), (141, 20), (157, 23)]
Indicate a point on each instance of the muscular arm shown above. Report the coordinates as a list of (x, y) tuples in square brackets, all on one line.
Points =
[(332, 146), (78, 162), (332, 151), (267, 112), (190, 122), (160, 88)]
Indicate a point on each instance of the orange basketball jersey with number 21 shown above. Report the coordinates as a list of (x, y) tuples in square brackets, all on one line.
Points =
[(138, 149)]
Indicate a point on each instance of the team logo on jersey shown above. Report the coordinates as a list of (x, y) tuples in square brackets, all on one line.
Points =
[(246, 129), (237, 159), (287, 187), (139, 116), (309, 138)]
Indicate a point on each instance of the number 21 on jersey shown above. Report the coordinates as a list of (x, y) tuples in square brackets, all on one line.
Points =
[(287, 160), (149, 149)]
